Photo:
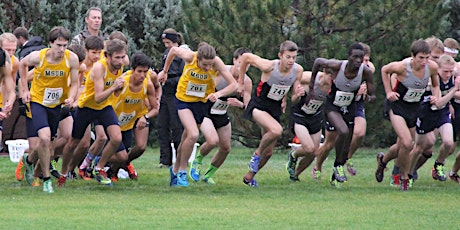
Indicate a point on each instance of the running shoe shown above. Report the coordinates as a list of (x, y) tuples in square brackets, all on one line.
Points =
[(131, 171), (47, 186), (339, 174), (334, 182), (195, 170), (173, 181), (72, 175), (437, 173), (101, 177), (380, 167), (294, 178), (250, 183), (316, 174), (415, 175), (36, 182), (454, 176), (209, 180), (83, 173), (114, 178), (254, 163), (29, 174), (182, 178), (395, 180), (53, 169), (61, 180), (351, 168), (404, 185), (291, 164), (20, 170)]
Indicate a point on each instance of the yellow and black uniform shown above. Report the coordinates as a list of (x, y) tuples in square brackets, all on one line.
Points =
[(129, 105), (50, 87), (50, 84), (89, 110), (195, 84), (87, 96)]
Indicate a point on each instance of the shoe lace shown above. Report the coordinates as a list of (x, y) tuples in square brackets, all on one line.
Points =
[(340, 170), (440, 170)]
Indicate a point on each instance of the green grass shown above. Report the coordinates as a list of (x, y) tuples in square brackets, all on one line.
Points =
[(150, 203)]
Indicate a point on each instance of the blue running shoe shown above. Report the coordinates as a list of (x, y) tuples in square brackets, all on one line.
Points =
[(254, 163), (182, 178), (339, 174), (173, 182), (195, 171), (250, 183)]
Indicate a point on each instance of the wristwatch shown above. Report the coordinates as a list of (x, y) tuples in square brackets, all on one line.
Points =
[(146, 117)]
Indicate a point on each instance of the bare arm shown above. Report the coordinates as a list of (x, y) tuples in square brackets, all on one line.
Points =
[(185, 54), (232, 84), (247, 59), (8, 85), (156, 85), (97, 74), (387, 71), (299, 89), (74, 85), (367, 74), (30, 60)]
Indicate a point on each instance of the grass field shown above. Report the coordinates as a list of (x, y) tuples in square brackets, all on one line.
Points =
[(150, 203)]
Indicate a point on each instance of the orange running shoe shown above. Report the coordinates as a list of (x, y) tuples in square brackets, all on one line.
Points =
[(131, 171), (83, 173), (61, 181), (36, 182), (20, 169), (114, 178)]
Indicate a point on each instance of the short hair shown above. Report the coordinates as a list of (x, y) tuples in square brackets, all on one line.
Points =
[(355, 46), (446, 59), (21, 32), (115, 45), (94, 42), (435, 43), (240, 51), (172, 35), (366, 48), (58, 32), (205, 51), (7, 37), (419, 46), (78, 50), (118, 35), (451, 43), (91, 9), (140, 59), (288, 46)]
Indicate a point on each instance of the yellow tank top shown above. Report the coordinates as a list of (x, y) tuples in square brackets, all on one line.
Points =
[(50, 85), (87, 96), (195, 84), (130, 105)]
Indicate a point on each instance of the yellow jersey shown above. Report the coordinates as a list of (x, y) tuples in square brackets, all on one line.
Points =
[(50, 84), (129, 105), (87, 96), (195, 84)]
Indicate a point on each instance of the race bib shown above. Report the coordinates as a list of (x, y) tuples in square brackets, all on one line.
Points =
[(125, 118), (312, 106), (197, 90), (277, 92), (52, 96), (413, 95), (343, 98), (220, 107)]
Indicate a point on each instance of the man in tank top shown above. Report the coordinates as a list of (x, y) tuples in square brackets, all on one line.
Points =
[(412, 76), (340, 106), (268, 100)]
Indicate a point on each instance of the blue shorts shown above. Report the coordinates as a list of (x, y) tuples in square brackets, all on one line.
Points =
[(199, 109), (84, 116), (428, 120), (43, 117), (360, 112), (30, 128)]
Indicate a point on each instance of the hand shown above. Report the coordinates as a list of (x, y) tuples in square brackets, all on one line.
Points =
[(4, 115), (235, 102), (433, 100), (69, 102), (141, 123), (362, 89), (240, 90), (300, 91), (162, 77), (7, 107), (119, 83), (25, 97), (213, 96), (393, 96)]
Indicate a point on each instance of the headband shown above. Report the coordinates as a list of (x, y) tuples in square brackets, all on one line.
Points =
[(173, 37), (450, 50)]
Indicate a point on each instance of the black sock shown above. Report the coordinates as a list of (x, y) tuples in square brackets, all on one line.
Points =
[(27, 161), (46, 178)]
